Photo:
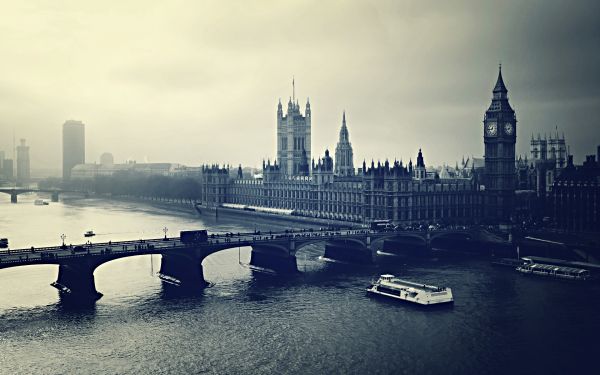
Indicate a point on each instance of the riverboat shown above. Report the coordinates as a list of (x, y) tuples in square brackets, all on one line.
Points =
[(40, 202), (422, 294), (550, 270), (89, 233)]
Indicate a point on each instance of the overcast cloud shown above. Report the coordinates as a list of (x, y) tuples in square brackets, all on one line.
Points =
[(198, 81)]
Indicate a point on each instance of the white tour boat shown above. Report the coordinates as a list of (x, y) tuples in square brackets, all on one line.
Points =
[(40, 202), (422, 294), (551, 270)]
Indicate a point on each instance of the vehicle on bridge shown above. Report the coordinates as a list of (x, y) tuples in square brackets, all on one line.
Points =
[(3, 243), (193, 236), (79, 249), (382, 225)]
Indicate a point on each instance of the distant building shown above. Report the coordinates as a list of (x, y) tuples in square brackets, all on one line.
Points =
[(90, 171), (73, 146), (576, 196), (107, 159), (344, 163), (23, 165), (537, 173), (553, 149), (293, 139), (8, 169)]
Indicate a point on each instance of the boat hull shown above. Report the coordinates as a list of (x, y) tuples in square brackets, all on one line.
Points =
[(404, 297)]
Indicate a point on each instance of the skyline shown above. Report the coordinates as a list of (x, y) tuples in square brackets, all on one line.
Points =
[(408, 75)]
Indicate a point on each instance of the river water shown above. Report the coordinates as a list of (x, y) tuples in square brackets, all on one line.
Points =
[(316, 322)]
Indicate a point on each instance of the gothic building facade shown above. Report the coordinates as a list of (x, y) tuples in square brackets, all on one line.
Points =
[(293, 139), (383, 191), (576, 196), (404, 194)]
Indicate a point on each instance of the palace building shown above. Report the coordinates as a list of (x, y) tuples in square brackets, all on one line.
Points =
[(404, 194)]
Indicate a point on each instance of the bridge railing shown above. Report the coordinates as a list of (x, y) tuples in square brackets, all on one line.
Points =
[(215, 238)]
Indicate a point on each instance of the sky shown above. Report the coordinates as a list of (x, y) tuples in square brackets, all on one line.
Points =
[(198, 82)]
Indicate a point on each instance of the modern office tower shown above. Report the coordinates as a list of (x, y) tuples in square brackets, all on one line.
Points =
[(23, 165), (73, 146), (7, 169)]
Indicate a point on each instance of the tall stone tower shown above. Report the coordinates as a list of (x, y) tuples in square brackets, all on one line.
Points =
[(499, 136), (293, 137), (420, 171), (344, 165)]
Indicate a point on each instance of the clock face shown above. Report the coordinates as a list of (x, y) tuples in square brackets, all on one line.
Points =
[(491, 129), (509, 129)]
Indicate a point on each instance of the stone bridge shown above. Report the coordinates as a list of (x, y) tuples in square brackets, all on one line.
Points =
[(14, 192), (182, 261)]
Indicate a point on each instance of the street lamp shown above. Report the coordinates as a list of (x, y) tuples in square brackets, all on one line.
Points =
[(62, 237), (165, 230)]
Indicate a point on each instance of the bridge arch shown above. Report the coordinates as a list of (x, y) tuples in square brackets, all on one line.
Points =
[(453, 239), (416, 239), (313, 241)]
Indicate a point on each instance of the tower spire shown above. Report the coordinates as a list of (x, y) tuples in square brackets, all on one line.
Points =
[(500, 86), (293, 90)]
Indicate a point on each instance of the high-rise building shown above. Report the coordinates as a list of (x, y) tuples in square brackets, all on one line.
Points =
[(344, 164), (8, 169), (73, 146), (293, 138), (23, 165), (2, 156), (500, 135)]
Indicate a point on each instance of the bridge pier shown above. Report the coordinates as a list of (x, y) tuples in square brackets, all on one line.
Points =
[(274, 258), (13, 197), (182, 269), (76, 280)]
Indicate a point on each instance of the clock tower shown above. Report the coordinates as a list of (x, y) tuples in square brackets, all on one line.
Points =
[(499, 137)]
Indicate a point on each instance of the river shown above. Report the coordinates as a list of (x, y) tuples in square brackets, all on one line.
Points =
[(316, 322)]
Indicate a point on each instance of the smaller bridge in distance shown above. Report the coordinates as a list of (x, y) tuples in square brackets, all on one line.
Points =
[(14, 192)]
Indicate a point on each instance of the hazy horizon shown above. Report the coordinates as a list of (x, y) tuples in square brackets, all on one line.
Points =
[(198, 82)]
